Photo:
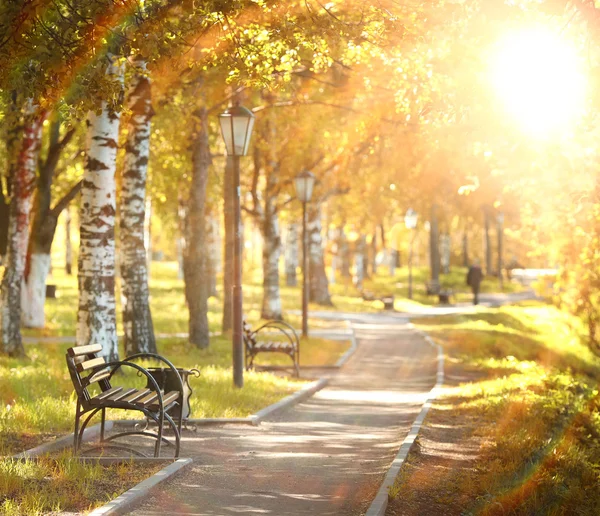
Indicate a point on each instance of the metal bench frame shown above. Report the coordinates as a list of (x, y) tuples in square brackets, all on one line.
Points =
[(253, 346), (84, 359), (433, 288)]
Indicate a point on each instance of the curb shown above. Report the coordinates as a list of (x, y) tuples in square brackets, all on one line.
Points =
[(123, 503), (353, 347), (380, 502), (89, 434)]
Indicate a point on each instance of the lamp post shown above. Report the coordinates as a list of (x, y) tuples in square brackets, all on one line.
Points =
[(500, 227), (304, 183), (236, 124), (410, 220)]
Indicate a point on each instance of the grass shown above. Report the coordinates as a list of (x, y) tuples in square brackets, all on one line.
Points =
[(532, 407), (52, 485)]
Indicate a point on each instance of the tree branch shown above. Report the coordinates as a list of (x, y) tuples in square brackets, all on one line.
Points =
[(67, 198)]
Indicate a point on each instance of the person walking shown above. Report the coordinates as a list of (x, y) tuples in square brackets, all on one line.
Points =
[(474, 277)]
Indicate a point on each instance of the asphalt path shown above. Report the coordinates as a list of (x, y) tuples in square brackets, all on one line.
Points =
[(327, 455)]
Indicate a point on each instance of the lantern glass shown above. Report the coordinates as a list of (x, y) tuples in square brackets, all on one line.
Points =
[(304, 184), (410, 219), (236, 127)]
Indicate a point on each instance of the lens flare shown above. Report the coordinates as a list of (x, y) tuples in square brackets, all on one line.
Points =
[(539, 78)]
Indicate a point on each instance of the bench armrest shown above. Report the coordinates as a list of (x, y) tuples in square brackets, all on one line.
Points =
[(283, 327), (160, 358)]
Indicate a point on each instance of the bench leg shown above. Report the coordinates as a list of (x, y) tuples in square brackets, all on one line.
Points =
[(76, 432), (102, 421)]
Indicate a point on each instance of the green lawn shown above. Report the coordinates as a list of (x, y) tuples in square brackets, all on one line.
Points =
[(533, 406)]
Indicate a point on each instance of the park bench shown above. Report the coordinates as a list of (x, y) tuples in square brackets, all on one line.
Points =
[(387, 300), (91, 376), (255, 343), (433, 288)]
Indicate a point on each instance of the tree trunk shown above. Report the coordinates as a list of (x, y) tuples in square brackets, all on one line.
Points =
[(213, 251), (229, 245), (434, 239), (465, 248), (344, 254), (68, 243), (360, 261), (96, 317), (23, 182), (43, 230), (487, 241), (319, 287), (137, 318), (271, 305), (374, 253), (181, 239), (148, 232), (196, 258), (445, 253), (291, 255)]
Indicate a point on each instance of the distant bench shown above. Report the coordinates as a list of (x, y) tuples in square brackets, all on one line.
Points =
[(433, 288), (387, 300), (253, 345)]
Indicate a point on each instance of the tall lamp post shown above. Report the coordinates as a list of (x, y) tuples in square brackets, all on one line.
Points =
[(236, 124), (500, 221), (304, 183), (410, 220)]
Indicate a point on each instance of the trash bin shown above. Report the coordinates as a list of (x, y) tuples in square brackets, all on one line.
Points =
[(167, 381)]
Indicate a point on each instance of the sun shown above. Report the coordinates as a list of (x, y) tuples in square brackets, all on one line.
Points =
[(539, 78)]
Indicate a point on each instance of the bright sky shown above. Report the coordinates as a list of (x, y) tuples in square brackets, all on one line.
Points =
[(539, 78)]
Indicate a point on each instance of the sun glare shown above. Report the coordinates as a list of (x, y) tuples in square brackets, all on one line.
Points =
[(538, 76)]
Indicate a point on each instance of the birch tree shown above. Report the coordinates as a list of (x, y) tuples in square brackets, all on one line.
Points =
[(137, 318), (96, 317), (23, 183)]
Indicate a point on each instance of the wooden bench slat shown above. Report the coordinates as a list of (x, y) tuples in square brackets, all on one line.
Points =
[(100, 375), (167, 400), (90, 364), (103, 395), (84, 350), (148, 399), (120, 395), (136, 396)]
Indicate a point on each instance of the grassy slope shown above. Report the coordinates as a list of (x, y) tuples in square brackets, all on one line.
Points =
[(533, 409)]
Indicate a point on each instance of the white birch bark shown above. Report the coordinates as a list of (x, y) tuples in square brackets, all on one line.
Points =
[(359, 262), (23, 183), (213, 250), (319, 286), (96, 317), (134, 231), (34, 291), (291, 254)]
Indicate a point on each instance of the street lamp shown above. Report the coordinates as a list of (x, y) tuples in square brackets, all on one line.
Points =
[(410, 220), (304, 183), (500, 227), (236, 124)]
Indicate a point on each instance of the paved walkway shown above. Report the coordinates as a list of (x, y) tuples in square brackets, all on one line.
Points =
[(325, 456)]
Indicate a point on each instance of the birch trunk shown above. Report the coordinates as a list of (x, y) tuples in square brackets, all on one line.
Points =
[(271, 306), (195, 258), (344, 254), (148, 232), (23, 182), (319, 286), (96, 317), (213, 251), (229, 245), (291, 255), (137, 318), (68, 243), (434, 254)]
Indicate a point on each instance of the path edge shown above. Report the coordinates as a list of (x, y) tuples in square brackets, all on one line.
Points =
[(380, 502), (124, 503)]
